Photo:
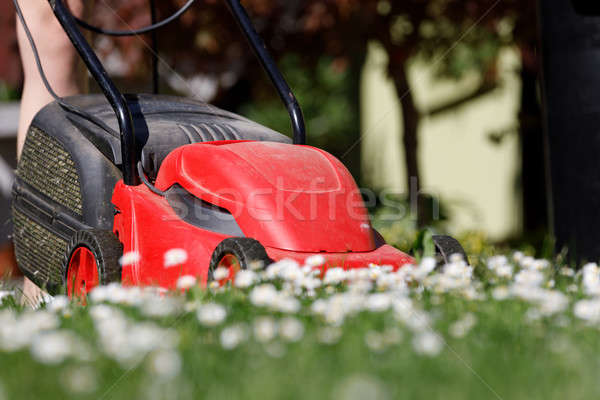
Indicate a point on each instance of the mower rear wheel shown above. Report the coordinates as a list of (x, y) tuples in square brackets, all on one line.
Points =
[(235, 254), (445, 247), (91, 259)]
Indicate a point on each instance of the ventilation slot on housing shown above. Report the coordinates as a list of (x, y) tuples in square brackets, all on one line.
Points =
[(210, 132), (47, 167), (39, 252)]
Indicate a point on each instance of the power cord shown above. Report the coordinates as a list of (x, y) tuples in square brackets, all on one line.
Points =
[(146, 182), (139, 31), (74, 109)]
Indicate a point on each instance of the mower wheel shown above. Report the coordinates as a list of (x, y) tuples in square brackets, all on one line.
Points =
[(235, 254), (446, 246), (91, 259)]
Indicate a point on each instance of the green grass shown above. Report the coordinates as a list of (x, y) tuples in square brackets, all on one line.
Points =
[(507, 354)]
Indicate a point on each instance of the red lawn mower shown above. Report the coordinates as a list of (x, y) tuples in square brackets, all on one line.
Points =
[(179, 187)]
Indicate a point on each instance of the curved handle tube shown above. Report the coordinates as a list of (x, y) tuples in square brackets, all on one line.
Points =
[(270, 67), (114, 97)]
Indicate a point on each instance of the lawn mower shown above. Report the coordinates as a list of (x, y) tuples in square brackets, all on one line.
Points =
[(144, 188)]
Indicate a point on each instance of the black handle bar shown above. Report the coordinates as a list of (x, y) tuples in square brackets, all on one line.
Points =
[(115, 98), (286, 94), (119, 104)]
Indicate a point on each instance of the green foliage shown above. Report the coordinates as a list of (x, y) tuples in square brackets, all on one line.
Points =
[(326, 98), (453, 56), (7, 93), (423, 245), (396, 222), (506, 354)]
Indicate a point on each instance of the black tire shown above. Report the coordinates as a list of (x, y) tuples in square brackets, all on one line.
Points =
[(246, 250), (446, 246), (105, 247)]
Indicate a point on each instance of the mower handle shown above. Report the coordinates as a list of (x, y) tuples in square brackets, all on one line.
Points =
[(115, 98), (117, 101), (260, 49)]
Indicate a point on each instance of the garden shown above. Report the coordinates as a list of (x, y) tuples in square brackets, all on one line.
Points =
[(505, 325), (439, 111)]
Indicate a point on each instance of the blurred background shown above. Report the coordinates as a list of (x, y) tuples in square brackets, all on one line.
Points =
[(438, 98)]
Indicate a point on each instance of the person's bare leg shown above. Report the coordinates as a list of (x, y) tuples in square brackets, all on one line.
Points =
[(62, 67), (60, 61)]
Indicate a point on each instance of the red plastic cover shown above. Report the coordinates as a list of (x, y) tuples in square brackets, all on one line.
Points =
[(286, 196)]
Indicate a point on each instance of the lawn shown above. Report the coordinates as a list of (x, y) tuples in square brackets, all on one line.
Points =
[(508, 327)]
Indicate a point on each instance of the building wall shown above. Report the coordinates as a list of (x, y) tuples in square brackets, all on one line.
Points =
[(475, 179)]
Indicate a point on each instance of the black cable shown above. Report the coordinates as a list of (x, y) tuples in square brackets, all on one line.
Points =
[(146, 182), (139, 31), (58, 99), (154, 39)]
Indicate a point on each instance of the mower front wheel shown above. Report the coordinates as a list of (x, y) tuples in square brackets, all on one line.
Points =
[(445, 247), (91, 259), (235, 254)]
